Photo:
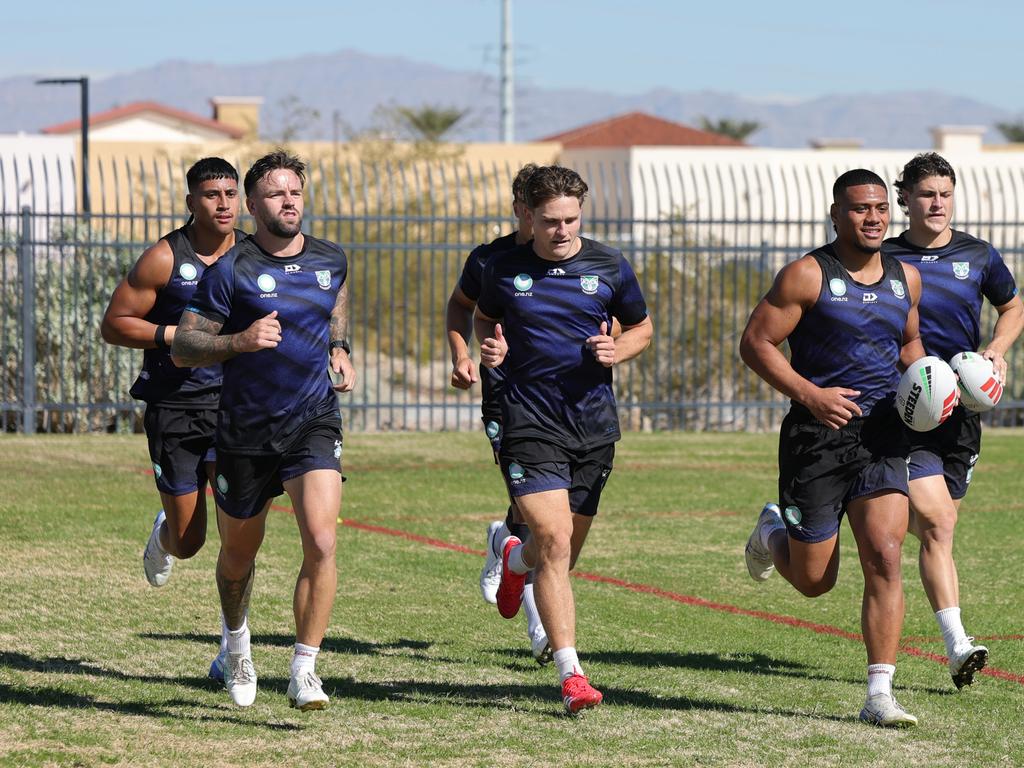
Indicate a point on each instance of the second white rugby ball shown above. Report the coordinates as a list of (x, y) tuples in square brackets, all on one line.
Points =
[(980, 390), (927, 393)]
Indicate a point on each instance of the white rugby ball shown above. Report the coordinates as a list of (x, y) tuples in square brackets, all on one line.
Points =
[(980, 390), (927, 393)]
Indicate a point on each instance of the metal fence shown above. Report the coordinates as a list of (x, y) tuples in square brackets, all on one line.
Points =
[(704, 243)]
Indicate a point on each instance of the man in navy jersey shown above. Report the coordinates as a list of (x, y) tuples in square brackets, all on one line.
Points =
[(181, 403), (459, 327), (849, 313), (545, 310), (271, 310), (957, 272)]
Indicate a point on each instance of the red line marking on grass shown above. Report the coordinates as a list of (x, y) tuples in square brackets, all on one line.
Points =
[(697, 602)]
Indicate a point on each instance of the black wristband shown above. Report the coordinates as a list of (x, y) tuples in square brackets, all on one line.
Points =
[(341, 344), (160, 337)]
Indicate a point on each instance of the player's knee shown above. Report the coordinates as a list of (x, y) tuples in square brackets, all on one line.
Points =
[(556, 547), (815, 586), (884, 560), (320, 545), (190, 544)]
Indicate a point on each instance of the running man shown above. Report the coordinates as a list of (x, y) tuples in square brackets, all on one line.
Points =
[(181, 403), (272, 310), (547, 307), (848, 312), (459, 327), (957, 272)]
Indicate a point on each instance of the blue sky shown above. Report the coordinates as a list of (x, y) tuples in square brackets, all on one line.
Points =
[(790, 50)]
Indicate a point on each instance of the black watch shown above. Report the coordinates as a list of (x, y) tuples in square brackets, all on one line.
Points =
[(341, 344)]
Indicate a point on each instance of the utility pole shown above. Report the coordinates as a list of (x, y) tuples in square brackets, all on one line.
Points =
[(508, 119), (83, 84)]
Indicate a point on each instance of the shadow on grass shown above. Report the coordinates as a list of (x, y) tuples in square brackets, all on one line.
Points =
[(744, 663), (55, 697), (332, 644)]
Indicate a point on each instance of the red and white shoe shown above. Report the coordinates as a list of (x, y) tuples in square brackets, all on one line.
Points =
[(510, 590), (578, 694)]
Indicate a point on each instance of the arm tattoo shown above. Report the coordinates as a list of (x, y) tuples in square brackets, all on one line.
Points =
[(339, 315), (234, 597), (196, 342)]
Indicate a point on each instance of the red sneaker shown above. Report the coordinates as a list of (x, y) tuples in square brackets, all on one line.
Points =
[(578, 694), (510, 590)]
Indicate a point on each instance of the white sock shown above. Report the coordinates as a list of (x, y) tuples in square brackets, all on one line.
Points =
[(499, 538), (304, 659), (533, 623), (515, 559), (238, 639), (953, 632), (567, 662), (766, 531), (880, 678), (223, 632)]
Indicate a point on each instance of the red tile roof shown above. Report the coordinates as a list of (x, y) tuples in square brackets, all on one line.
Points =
[(139, 107), (636, 129)]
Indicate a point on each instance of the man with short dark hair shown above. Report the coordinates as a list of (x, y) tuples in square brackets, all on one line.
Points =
[(181, 403), (545, 311), (957, 272), (848, 312), (272, 311), (459, 327)]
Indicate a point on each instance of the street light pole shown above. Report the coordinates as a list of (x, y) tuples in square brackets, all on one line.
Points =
[(83, 83)]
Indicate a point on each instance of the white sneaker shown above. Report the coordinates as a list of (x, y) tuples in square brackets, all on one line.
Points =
[(217, 666), (155, 562), (490, 576), (757, 555), (542, 652), (306, 692), (965, 661), (883, 709), (240, 679)]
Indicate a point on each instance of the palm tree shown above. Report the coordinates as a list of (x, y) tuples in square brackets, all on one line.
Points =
[(734, 129), (429, 123)]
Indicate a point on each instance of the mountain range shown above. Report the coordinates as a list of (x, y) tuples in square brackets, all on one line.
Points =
[(340, 95)]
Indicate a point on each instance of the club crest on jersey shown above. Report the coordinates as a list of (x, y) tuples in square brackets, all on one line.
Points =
[(837, 287), (589, 284), (323, 278), (188, 272), (523, 282), (267, 284), (897, 288), (961, 269)]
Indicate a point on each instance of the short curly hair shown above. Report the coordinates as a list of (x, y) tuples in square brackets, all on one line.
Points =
[(920, 167)]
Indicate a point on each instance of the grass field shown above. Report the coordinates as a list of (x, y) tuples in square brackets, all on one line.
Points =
[(699, 665)]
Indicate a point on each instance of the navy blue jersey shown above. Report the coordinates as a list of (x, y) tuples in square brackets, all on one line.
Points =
[(160, 381), (852, 335), (469, 283), (954, 278), (555, 390), (269, 395)]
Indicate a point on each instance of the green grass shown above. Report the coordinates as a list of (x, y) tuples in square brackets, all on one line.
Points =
[(98, 668)]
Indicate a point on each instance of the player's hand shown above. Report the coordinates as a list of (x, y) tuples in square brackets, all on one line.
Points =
[(343, 369), (998, 364), (494, 349), (464, 373), (833, 407), (602, 346), (265, 333)]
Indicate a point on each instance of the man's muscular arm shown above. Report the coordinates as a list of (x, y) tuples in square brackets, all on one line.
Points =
[(197, 341), (340, 362)]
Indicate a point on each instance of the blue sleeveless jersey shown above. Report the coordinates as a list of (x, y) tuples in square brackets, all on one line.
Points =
[(269, 395), (852, 335), (160, 381), (555, 390), (954, 278), (470, 283)]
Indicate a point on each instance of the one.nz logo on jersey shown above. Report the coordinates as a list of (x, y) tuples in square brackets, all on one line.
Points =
[(523, 283)]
